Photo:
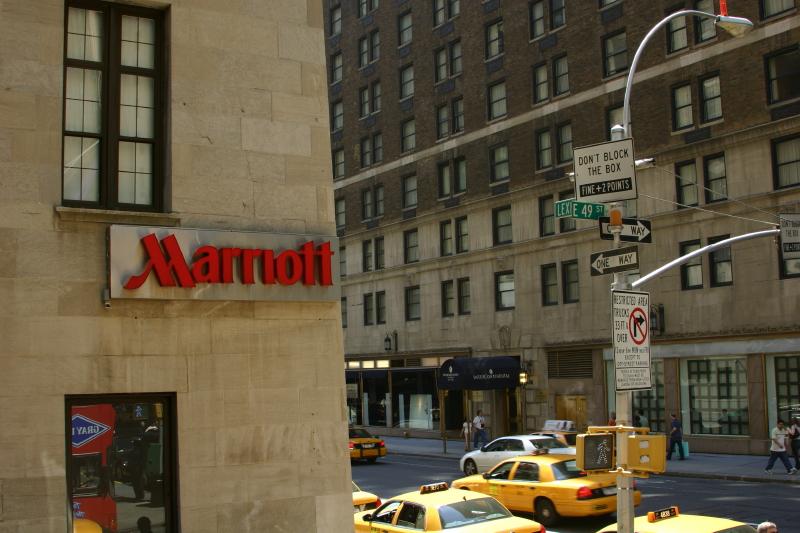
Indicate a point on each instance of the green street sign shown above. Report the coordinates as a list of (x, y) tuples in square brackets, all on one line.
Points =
[(571, 208)]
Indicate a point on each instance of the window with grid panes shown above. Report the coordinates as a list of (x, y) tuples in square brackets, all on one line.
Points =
[(440, 63), (496, 95), (570, 282), (405, 28), (442, 121), (343, 305), (716, 181), (550, 284), (718, 402), (374, 46), (504, 290), (363, 51), (380, 307), (462, 235), (408, 140), (366, 256), (770, 8), (439, 12), (342, 261), (677, 35), (460, 170), (365, 6), (566, 223), (711, 99), (704, 28), (787, 385), (564, 143), (406, 81), (340, 212), (448, 298), (377, 147), (366, 152), (544, 149), (720, 264), (615, 54), (337, 116), (335, 17), (686, 183), (783, 75), (375, 92), (458, 114), (336, 67), (494, 39), (455, 58), (786, 161), (464, 303), (445, 179), (498, 161), (560, 75), (363, 102), (410, 246), (114, 146), (541, 87), (691, 271), (558, 15), (412, 301), (501, 225), (338, 163), (651, 401), (380, 261), (445, 238), (379, 203), (409, 191), (536, 19), (682, 107), (369, 309), (547, 225), (367, 204)]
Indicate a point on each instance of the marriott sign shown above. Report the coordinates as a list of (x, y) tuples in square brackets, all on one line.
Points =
[(192, 264)]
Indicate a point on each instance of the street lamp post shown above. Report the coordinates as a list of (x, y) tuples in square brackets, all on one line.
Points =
[(736, 26)]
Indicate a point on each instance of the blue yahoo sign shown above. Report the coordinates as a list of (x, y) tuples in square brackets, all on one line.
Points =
[(85, 430)]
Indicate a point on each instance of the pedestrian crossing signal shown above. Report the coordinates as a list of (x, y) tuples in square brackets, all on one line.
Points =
[(595, 451), (647, 453)]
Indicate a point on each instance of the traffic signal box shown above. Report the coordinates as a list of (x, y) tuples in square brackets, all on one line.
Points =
[(595, 451), (647, 453)]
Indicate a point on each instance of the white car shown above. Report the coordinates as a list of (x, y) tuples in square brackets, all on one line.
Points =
[(506, 447)]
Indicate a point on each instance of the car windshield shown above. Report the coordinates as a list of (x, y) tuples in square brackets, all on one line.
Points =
[(547, 444), (357, 433), (566, 470), (468, 512)]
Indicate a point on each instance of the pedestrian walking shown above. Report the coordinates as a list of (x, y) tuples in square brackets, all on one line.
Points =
[(643, 422), (777, 449), (612, 419), (479, 426), (794, 442), (675, 437), (466, 431), (767, 527)]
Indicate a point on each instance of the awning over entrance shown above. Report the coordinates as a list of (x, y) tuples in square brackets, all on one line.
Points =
[(481, 373)]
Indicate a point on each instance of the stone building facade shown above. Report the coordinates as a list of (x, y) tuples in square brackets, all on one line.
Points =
[(450, 243), (192, 414)]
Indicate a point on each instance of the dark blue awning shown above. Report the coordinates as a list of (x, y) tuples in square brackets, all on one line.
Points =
[(481, 373)]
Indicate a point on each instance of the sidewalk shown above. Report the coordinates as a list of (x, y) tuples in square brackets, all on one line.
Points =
[(699, 465)]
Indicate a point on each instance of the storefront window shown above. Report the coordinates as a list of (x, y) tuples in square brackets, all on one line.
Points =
[(353, 401), (717, 396), (415, 398), (651, 402), (376, 401), (787, 386), (119, 462)]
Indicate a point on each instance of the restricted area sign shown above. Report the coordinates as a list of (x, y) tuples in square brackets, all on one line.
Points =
[(790, 235), (605, 172), (630, 312)]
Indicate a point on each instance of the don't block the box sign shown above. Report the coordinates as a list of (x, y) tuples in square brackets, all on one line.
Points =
[(194, 264)]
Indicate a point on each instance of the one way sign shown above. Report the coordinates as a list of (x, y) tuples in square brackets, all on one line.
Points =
[(618, 260), (633, 230)]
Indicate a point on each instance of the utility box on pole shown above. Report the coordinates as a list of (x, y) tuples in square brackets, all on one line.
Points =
[(647, 453), (595, 451)]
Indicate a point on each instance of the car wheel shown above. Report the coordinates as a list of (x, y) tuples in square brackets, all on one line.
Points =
[(544, 512), (470, 468)]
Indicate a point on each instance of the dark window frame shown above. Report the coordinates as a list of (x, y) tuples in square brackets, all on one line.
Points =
[(683, 250), (408, 292), (699, 24), (490, 102), (464, 301), (407, 192), (715, 259), (604, 39), (546, 268), (763, 14), (498, 294), (496, 228), (670, 32), (494, 163), (407, 248), (460, 236), (557, 77), (369, 309), (560, 142), (703, 99), (680, 187), (554, 13), (544, 219), (675, 109), (538, 134), (499, 41), (448, 304), (565, 283), (405, 147), (367, 255), (775, 165), (540, 67), (332, 21), (795, 48), (446, 234), (380, 307), (400, 29), (404, 84), (532, 22), (708, 182), (566, 224)]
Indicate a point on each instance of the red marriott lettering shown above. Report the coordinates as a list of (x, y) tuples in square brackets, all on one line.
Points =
[(309, 264)]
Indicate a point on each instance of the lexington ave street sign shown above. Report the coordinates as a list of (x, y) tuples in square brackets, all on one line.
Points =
[(605, 172), (618, 260), (571, 208), (633, 230)]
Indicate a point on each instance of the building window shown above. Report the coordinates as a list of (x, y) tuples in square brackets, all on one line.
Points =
[(717, 390), (367, 204), (565, 143), (682, 107), (570, 282), (501, 225), (691, 272), (711, 99), (365, 6), (504, 290), (547, 225), (567, 223), (783, 73), (343, 304), (369, 99), (371, 150), (558, 15), (366, 152), (448, 298), (342, 262), (337, 116), (363, 102), (336, 68), (704, 28), (369, 309), (541, 87), (549, 284), (405, 29), (440, 60), (464, 307), (97, 422), (338, 163), (410, 246), (496, 95), (455, 58), (536, 17), (406, 81), (677, 35), (380, 307), (340, 213), (335, 27), (369, 48), (366, 256), (786, 161), (606, 3), (458, 114), (787, 385), (498, 160), (380, 261), (651, 401), (494, 39), (544, 149), (720, 264), (613, 118), (615, 54), (770, 8), (129, 174), (377, 147), (445, 180), (378, 191), (716, 181), (444, 10), (560, 75), (442, 121), (412, 303), (408, 140), (409, 192), (462, 235), (445, 238), (460, 168), (686, 183), (447, 61)]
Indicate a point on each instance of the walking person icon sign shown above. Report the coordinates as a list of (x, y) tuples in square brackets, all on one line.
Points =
[(631, 339)]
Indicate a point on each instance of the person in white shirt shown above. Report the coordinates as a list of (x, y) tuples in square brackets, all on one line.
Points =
[(777, 449), (466, 430), (479, 426)]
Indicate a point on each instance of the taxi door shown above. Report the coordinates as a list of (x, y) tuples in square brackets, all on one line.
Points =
[(524, 487), (383, 518), (498, 482)]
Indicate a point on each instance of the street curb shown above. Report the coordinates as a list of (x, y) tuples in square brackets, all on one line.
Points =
[(698, 475)]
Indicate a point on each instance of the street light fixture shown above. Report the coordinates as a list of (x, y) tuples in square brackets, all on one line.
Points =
[(387, 343)]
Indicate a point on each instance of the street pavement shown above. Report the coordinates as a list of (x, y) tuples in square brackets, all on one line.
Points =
[(699, 465)]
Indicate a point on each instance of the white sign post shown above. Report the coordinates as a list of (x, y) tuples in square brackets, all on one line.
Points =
[(790, 235), (605, 172), (631, 334)]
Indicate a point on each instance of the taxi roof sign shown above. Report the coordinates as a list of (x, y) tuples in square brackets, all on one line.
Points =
[(663, 514), (539, 451), (433, 487)]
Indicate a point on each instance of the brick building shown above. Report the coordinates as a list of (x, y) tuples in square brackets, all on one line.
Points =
[(452, 127)]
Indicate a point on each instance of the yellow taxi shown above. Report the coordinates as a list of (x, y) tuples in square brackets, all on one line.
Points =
[(550, 485), (567, 438), (670, 520), (364, 501), (364, 446), (82, 525), (436, 507)]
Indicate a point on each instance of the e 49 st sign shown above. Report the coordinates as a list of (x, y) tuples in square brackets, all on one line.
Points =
[(630, 317), (605, 172)]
